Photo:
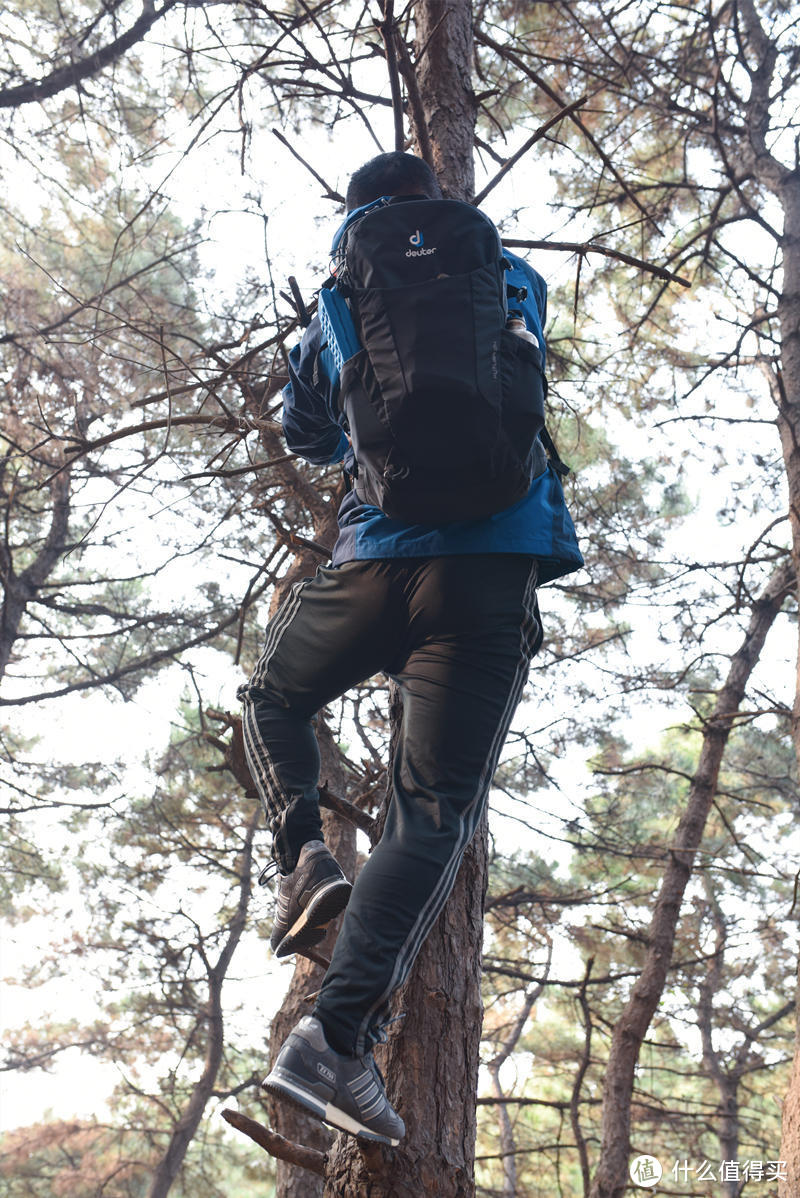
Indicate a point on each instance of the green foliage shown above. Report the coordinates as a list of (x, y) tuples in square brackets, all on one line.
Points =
[(148, 969), (732, 968), (74, 1158)]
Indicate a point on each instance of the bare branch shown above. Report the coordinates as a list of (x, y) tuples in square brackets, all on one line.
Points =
[(387, 29), (510, 56), (526, 146), (277, 1146), (591, 247), (346, 809), (330, 192), (73, 74)]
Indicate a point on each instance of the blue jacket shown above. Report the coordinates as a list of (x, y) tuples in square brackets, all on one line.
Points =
[(538, 525)]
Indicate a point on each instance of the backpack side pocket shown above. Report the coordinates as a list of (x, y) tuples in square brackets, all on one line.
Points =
[(523, 395)]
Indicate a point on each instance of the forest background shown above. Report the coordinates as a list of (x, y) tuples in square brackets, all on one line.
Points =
[(165, 168)]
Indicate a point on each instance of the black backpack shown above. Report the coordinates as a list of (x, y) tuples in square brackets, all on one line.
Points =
[(443, 403)]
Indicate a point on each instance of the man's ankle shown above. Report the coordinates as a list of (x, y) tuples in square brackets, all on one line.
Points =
[(335, 1041)]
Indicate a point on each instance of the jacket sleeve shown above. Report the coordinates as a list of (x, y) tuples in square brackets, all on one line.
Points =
[(534, 305), (310, 417), (539, 291)]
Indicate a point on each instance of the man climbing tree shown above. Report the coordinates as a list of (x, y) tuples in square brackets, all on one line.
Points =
[(454, 514), (639, 184)]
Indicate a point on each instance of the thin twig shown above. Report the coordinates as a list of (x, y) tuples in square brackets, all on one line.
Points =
[(532, 140), (409, 73), (234, 472), (330, 192), (387, 28), (592, 247), (511, 57)]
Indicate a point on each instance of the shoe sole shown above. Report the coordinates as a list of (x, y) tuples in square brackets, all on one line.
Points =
[(291, 1089), (326, 904)]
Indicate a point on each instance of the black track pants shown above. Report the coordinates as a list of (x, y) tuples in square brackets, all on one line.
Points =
[(457, 634)]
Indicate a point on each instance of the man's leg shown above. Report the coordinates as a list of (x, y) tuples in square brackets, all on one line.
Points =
[(472, 629), (329, 634)]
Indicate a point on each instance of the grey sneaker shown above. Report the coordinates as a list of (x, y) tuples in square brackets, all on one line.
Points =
[(308, 899), (346, 1092)]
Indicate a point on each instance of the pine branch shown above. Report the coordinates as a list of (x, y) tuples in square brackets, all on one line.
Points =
[(527, 145), (282, 1149), (346, 809), (330, 192), (387, 29), (75, 72), (591, 247)]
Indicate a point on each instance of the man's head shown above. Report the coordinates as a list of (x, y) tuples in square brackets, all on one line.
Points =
[(394, 174)]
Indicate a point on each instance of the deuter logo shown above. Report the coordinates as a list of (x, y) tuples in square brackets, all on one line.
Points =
[(418, 240), (325, 1072)]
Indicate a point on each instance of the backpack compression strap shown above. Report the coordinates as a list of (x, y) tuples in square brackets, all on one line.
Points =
[(553, 454)]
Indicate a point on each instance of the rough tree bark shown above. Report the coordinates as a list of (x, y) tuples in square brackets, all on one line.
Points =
[(431, 1059), (788, 389), (443, 71), (789, 1186), (784, 183)]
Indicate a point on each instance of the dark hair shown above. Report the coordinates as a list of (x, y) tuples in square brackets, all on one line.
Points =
[(389, 175)]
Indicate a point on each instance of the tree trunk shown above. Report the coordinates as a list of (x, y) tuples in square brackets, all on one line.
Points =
[(505, 1126), (432, 1056), (19, 590), (611, 1177), (786, 185), (788, 390), (430, 1062), (789, 426), (789, 1186), (448, 107), (184, 1131), (288, 1120), (726, 1082)]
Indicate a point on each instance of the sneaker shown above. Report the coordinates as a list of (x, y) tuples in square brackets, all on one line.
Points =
[(346, 1092), (308, 899)]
